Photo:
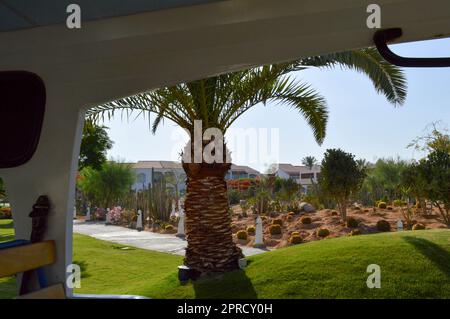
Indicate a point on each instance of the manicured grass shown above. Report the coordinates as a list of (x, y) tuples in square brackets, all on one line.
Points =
[(414, 264), (8, 284)]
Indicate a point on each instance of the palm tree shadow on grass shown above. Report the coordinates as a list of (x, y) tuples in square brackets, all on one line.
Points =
[(435, 253), (236, 285)]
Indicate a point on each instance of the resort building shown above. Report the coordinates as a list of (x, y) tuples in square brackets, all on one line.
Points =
[(303, 175)]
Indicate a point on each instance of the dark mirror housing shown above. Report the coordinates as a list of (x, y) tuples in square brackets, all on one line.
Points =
[(22, 108)]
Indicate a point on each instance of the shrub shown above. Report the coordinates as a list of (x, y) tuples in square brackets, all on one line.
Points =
[(169, 228), (383, 225), (389, 208), (277, 221), (296, 239), (275, 229), (291, 214), (306, 220), (398, 203), (115, 215), (351, 222), (382, 205), (295, 233), (355, 232), (357, 208), (99, 214), (334, 213), (251, 229), (366, 210), (128, 216), (418, 226), (242, 234), (6, 213), (323, 232), (289, 218)]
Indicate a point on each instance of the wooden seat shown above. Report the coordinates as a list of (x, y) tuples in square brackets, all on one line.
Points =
[(25, 257)]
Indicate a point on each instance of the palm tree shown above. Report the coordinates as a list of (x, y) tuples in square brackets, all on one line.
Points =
[(218, 102), (310, 162)]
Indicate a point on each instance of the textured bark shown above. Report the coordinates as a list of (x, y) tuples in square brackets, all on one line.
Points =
[(208, 223)]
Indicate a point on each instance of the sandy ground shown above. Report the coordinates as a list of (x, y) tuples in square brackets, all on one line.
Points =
[(366, 217)]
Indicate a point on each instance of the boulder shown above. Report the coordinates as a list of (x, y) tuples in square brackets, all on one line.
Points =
[(306, 207)]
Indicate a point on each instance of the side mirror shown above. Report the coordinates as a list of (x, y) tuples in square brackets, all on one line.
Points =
[(22, 108)]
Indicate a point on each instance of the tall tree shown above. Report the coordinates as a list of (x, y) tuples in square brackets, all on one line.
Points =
[(107, 186), (340, 177), (218, 102), (95, 143)]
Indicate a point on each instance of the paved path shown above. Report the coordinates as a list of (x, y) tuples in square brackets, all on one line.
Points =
[(146, 240)]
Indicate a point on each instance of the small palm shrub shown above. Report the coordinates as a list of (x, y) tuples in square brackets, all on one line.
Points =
[(355, 232), (277, 221), (251, 230), (351, 222), (275, 229), (296, 239), (306, 220), (383, 225), (323, 232), (382, 205), (418, 226), (242, 234)]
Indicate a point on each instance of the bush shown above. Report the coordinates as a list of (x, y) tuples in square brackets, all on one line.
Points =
[(418, 226), (295, 233), (115, 215), (251, 229), (398, 203), (242, 234), (352, 222), (277, 221), (128, 216), (291, 214), (275, 229), (233, 197), (322, 232), (169, 228), (306, 220), (5, 213), (355, 232), (334, 213), (382, 205), (389, 208), (296, 239), (99, 214), (289, 218), (383, 225)]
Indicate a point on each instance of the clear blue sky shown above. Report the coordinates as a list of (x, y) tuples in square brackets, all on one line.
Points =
[(360, 120)]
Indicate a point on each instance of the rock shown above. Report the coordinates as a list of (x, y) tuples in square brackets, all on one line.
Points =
[(306, 207)]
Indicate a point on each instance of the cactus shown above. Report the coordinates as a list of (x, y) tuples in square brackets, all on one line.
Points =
[(159, 201)]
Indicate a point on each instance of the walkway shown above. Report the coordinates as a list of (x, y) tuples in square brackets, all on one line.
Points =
[(166, 243)]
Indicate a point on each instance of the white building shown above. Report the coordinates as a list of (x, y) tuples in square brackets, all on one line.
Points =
[(149, 171), (301, 174), (238, 171)]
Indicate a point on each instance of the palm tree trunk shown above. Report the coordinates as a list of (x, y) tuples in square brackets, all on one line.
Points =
[(208, 223)]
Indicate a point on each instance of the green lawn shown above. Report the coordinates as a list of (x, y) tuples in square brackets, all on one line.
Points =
[(413, 265), (7, 285)]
